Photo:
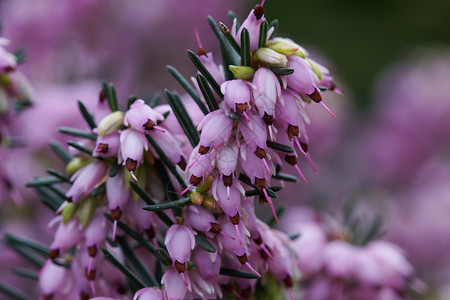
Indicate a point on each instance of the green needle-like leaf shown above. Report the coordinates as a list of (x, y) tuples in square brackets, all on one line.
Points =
[(232, 16), (230, 37), (78, 133), (154, 100), (58, 174), (183, 117), (264, 27), (21, 55), (163, 257), (199, 65), (283, 71), (111, 95), (30, 244), (79, 147), (168, 205), (207, 93), (245, 48), (274, 24), (204, 243), (285, 177), (114, 170), (144, 196), (189, 89), (60, 151), (12, 293), (125, 271), (257, 192), (27, 273), (237, 273), (86, 115), (38, 181), (280, 147), (271, 221)]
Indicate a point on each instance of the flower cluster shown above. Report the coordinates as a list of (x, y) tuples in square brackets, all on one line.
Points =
[(15, 94)]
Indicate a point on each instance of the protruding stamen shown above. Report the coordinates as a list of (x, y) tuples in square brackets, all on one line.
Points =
[(327, 109), (90, 264), (58, 211), (159, 128), (246, 116), (186, 189), (114, 230), (291, 296), (300, 147), (262, 3), (266, 165), (228, 193), (134, 176), (227, 235), (270, 133), (184, 279), (91, 283), (251, 269), (311, 162), (201, 50), (238, 233), (264, 248), (195, 160), (300, 173), (271, 205)]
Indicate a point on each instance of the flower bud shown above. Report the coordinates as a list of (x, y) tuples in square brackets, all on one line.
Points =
[(76, 164), (204, 188), (69, 211), (270, 58), (110, 123), (4, 105), (285, 46), (242, 72), (196, 197), (315, 68)]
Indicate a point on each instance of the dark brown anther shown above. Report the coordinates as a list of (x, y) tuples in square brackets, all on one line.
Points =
[(47, 297), (201, 52), (243, 259), (203, 150), (291, 159), (316, 97), (262, 199), (227, 180), (131, 165), (258, 240), (268, 119), (215, 228), (241, 107), (235, 220), (304, 147), (149, 125), (258, 12), (288, 281), (260, 152), (293, 131), (102, 96), (8, 184), (116, 213), (9, 69), (182, 164), (195, 180), (69, 199), (263, 254), (333, 86), (102, 148), (260, 183), (181, 268), (54, 253), (150, 233), (246, 293), (84, 296), (92, 251), (90, 275)]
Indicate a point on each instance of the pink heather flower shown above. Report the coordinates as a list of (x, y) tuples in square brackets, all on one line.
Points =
[(252, 24), (170, 146), (339, 259), (302, 80), (254, 132), (199, 218), (116, 192), (85, 179), (237, 95), (215, 130), (132, 146), (180, 241), (107, 145), (208, 263), (149, 293), (266, 92), (7, 60), (200, 286), (52, 278), (228, 197), (67, 235), (227, 159), (142, 117), (214, 69), (200, 166), (253, 167), (174, 286)]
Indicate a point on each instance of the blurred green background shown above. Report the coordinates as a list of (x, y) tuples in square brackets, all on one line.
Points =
[(361, 38)]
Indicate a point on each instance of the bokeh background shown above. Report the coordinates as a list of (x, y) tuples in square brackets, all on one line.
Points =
[(389, 146)]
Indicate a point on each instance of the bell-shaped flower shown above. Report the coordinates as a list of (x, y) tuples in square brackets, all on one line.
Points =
[(169, 146), (200, 287), (229, 198), (107, 145), (253, 167), (174, 286), (215, 130), (254, 133), (67, 235), (227, 159), (302, 80), (252, 24), (180, 241), (200, 166), (149, 293), (208, 263), (86, 179), (52, 279), (199, 218), (142, 117), (132, 146), (266, 92), (7, 61), (339, 259), (237, 96), (214, 69)]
